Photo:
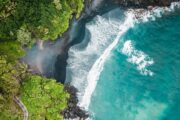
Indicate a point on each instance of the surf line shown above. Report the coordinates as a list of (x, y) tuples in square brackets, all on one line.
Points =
[(97, 67)]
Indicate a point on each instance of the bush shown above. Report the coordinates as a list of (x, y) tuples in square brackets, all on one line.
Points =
[(44, 19), (44, 98)]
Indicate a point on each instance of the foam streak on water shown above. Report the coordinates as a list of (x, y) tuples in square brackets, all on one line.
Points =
[(156, 12), (85, 64), (137, 57), (99, 33), (96, 69)]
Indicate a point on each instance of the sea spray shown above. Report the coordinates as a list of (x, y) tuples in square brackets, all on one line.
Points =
[(41, 44), (157, 12), (97, 67), (123, 93), (96, 3), (83, 71), (82, 56), (137, 57), (42, 56)]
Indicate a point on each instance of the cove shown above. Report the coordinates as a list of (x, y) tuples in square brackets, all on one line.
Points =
[(127, 76), (125, 92)]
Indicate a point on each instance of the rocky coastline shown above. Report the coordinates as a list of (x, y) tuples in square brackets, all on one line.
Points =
[(74, 111), (61, 62), (144, 3)]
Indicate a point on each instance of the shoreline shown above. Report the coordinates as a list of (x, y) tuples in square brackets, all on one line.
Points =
[(61, 61), (144, 3), (73, 110), (137, 15)]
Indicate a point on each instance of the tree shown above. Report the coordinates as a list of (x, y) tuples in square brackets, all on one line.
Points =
[(44, 98), (44, 19), (12, 50), (24, 36), (11, 75)]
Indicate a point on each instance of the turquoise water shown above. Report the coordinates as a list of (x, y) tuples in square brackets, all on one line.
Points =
[(141, 76)]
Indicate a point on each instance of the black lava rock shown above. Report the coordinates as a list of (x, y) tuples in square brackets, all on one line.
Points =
[(73, 111), (144, 3)]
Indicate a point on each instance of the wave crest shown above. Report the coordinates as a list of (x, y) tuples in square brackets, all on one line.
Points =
[(138, 58), (85, 65)]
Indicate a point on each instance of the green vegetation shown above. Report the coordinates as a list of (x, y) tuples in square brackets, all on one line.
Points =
[(11, 71), (11, 74), (36, 19), (12, 50), (22, 23), (44, 98)]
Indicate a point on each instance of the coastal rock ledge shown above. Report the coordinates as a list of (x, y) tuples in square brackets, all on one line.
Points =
[(73, 111), (144, 3)]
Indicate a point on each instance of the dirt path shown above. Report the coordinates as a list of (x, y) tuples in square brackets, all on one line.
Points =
[(22, 106)]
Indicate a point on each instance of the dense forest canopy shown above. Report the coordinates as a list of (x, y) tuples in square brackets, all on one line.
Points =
[(39, 19), (12, 73), (44, 98), (23, 22)]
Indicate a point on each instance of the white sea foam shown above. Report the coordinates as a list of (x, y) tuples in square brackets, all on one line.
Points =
[(86, 64), (81, 59), (156, 12), (97, 67), (96, 3), (137, 57)]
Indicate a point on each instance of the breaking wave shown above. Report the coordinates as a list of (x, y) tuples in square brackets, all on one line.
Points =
[(86, 60), (137, 57), (97, 67)]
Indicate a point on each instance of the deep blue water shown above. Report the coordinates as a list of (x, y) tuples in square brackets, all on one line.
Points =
[(141, 76)]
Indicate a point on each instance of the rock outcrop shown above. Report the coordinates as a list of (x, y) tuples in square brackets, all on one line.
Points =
[(73, 111), (144, 3)]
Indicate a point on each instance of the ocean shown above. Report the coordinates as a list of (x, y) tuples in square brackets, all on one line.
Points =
[(127, 66)]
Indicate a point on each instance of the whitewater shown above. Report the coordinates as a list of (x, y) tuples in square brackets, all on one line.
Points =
[(137, 57), (86, 60)]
